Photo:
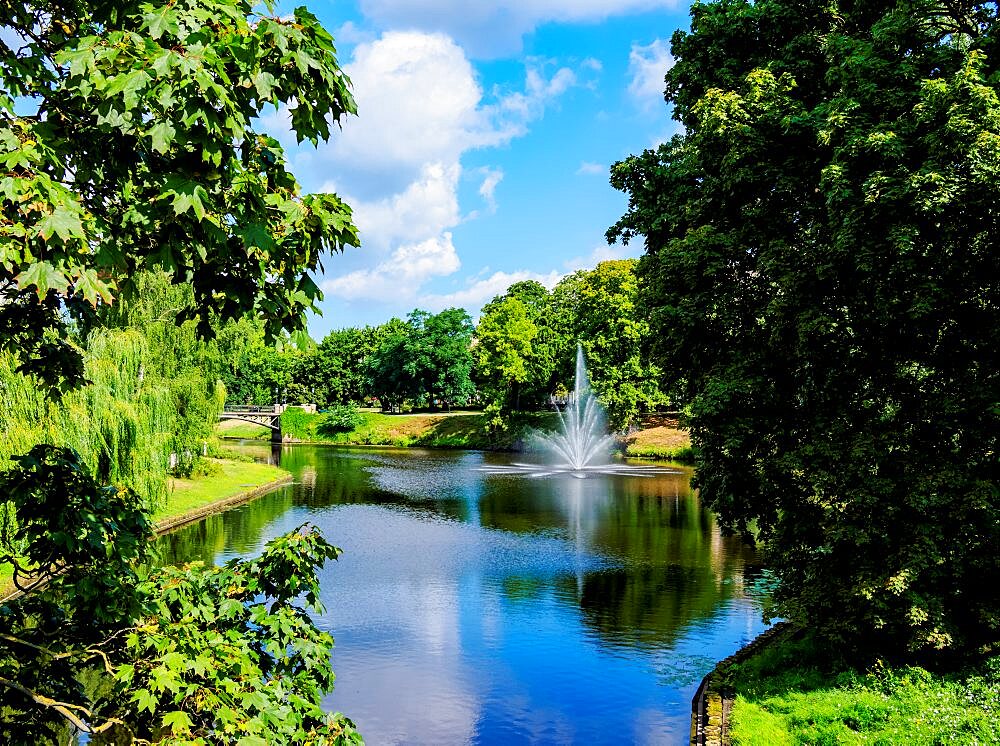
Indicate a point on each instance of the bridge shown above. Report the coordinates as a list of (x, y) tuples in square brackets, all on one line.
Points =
[(269, 416)]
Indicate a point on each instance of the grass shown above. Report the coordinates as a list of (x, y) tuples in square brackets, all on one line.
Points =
[(238, 429), (790, 693), (455, 430), (224, 479), (661, 439)]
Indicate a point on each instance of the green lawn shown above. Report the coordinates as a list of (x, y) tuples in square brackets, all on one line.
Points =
[(790, 693), (226, 479)]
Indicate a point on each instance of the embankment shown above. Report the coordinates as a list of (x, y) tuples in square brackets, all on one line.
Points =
[(657, 437)]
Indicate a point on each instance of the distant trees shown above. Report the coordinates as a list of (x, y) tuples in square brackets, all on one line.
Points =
[(519, 355), (527, 338), (426, 360)]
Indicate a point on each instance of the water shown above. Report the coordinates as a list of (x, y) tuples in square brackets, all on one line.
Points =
[(480, 608)]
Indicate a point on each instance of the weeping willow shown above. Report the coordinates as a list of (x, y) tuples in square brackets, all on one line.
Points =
[(151, 393)]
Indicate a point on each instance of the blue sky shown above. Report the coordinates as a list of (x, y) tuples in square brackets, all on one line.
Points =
[(481, 152)]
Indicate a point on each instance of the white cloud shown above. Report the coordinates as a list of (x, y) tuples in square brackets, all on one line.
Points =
[(647, 65), (399, 162), (487, 189), (425, 208), (350, 33), (604, 253), (489, 28), (419, 102), (588, 168), (479, 291), (398, 278)]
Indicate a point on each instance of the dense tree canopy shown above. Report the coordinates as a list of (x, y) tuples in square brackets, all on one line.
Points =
[(822, 279), (597, 308)]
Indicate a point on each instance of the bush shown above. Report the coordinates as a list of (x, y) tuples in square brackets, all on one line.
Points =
[(339, 419), (297, 423)]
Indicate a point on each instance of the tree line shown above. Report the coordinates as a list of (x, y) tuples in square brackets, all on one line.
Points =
[(519, 356)]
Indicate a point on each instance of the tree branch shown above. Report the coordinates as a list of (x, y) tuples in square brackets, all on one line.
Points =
[(63, 708)]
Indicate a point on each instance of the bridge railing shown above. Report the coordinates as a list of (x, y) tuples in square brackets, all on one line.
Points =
[(249, 409)]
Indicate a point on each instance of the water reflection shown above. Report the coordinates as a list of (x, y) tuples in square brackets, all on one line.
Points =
[(470, 608)]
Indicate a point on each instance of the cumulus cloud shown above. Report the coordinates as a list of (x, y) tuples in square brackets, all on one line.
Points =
[(480, 290), (401, 275), (426, 207), (399, 163), (490, 28), (646, 66)]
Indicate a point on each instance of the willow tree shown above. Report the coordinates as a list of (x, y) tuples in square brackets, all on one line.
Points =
[(821, 273), (128, 142)]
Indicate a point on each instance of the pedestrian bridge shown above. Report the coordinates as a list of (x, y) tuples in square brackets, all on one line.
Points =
[(268, 416)]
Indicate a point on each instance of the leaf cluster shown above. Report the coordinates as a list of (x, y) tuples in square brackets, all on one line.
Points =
[(187, 654)]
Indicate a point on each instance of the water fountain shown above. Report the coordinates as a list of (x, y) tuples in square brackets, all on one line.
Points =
[(582, 439)]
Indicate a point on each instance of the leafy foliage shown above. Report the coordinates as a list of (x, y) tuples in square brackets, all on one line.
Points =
[(128, 151), (194, 654), (821, 277), (527, 341), (141, 154), (339, 419), (426, 357)]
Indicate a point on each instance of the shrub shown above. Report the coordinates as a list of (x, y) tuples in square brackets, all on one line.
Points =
[(339, 419)]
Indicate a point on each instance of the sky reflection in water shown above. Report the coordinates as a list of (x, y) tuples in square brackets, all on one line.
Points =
[(482, 608)]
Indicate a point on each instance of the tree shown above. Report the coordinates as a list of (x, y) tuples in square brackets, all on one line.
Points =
[(822, 281), (447, 337), (140, 154), (336, 370), (386, 366), (542, 364), (597, 308), (503, 347), (426, 357)]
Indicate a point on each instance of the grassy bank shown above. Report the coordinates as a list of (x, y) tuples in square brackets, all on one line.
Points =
[(455, 430), (659, 438), (791, 692), (224, 480)]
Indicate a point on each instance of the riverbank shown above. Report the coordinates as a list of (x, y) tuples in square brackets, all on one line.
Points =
[(785, 688), (227, 483), (659, 437)]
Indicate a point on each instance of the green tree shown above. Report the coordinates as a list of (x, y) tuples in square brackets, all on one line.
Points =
[(386, 366), (141, 154), (336, 370), (446, 343), (822, 282), (547, 345), (503, 348), (598, 309)]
